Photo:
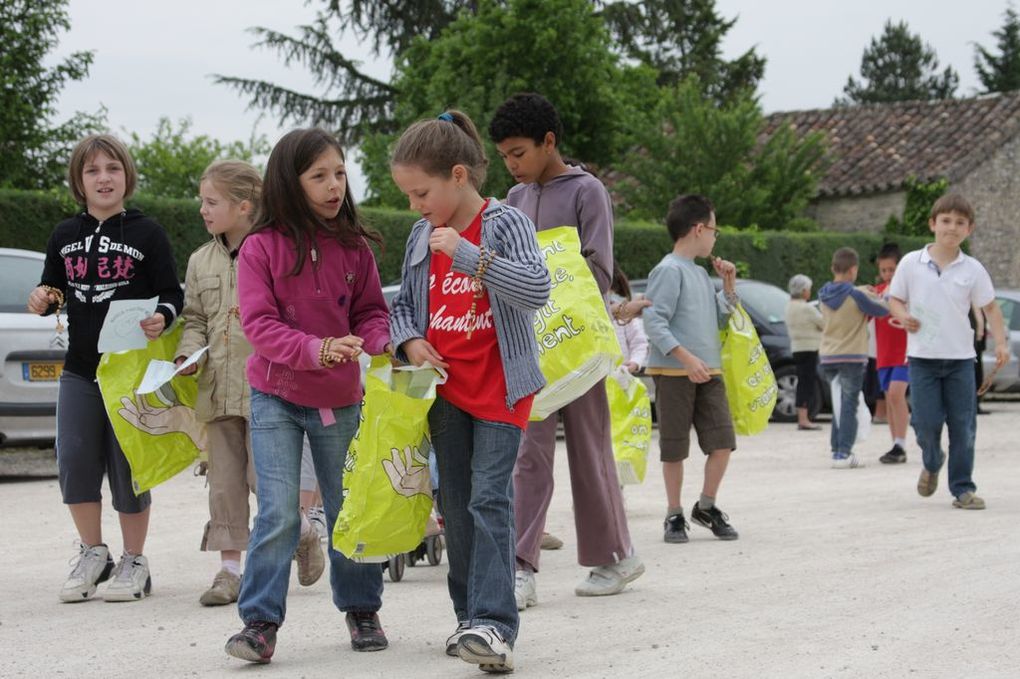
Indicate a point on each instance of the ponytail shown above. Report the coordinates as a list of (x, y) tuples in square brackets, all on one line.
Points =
[(436, 145)]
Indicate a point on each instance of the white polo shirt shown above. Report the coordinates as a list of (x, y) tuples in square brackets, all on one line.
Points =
[(941, 301)]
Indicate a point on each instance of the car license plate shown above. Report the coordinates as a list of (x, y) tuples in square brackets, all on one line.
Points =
[(41, 372)]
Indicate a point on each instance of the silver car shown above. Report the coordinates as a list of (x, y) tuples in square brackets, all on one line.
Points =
[(1008, 378), (32, 352)]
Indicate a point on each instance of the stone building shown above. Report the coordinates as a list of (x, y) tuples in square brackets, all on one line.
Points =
[(875, 149)]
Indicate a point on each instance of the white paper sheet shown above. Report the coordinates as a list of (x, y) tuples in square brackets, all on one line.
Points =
[(159, 372), (121, 330)]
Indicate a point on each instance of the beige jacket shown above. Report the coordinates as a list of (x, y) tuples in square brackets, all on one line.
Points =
[(211, 316), (804, 323)]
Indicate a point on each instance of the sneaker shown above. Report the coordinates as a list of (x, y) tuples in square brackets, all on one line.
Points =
[(675, 528), (611, 579), (225, 588), (451, 641), (525, 590), (969, 501), (366, 632), (255, 643), (715, 520), (896, 455), (484, 646), (928, 481), (550, 541), (130, 580), (846, 461), (92, 566), (317, 517), (310, 561)]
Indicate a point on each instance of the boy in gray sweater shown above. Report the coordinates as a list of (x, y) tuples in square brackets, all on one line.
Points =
[(683, 330)]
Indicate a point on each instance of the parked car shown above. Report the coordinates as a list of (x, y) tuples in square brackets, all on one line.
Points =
[(1008, 378), (32, 353)]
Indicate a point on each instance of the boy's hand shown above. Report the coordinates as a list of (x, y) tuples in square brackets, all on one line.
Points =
[(631, 367), (444, 239), (419, 352), (910, 324), (190, 370), (40, 299), (727, 271), (153, 326), (1001, 355), (697, 370)]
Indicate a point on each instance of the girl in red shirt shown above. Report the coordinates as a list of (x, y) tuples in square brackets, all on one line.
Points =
[(891, 341)]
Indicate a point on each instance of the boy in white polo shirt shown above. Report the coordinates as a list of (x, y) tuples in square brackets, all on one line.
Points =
[(930, 295)]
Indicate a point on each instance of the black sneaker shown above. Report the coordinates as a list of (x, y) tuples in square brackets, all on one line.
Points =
[(675, 528), (255, 643), (366, 632), (714, 520), (895, 456)]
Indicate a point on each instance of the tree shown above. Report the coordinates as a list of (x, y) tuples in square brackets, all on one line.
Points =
[(33, 148), (170, 163), (679, 38), (695, 146), (899, 66), (1001, 73)]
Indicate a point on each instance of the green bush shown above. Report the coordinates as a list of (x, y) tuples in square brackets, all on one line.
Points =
[(28, 217)]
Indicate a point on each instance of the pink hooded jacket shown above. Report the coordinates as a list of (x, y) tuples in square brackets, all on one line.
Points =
[(286, 317)]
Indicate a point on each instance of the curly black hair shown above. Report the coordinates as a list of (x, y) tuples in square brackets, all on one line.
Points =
[(526, 114)]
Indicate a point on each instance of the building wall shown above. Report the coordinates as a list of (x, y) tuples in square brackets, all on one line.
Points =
[(867, 212), (994, 190)]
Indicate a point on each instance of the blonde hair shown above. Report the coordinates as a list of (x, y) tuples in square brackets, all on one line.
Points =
[(86, 149), (437, 144), (237, 180)]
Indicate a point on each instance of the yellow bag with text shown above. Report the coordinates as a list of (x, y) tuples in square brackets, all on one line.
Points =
[(577, 345), (158, 432), (630, 414), (750, 384), (387, 486)]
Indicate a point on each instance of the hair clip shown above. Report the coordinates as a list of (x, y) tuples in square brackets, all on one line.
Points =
[(445, 116)]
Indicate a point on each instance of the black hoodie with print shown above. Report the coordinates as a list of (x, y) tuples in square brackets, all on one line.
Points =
[(127, 256)]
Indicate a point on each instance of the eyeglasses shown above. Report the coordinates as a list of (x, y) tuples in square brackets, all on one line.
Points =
[(715, 231)]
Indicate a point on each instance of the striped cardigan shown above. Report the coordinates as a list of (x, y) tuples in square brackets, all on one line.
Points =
[(517, 282)]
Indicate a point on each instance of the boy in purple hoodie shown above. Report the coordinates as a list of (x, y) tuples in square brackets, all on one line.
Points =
[(526, 130), (843, 353)]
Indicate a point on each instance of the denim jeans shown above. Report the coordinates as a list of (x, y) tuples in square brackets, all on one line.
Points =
[(278, 428), (851, 380), (942, 392), (476, 460)]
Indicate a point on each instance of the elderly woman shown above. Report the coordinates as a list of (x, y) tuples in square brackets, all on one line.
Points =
[(804, 323)]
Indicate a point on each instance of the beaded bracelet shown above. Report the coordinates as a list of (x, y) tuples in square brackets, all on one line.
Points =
[(324, 358), (485, 258), (59, 294)]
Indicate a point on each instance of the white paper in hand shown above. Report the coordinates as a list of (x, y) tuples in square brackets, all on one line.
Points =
[(160, 372), (122, 330)]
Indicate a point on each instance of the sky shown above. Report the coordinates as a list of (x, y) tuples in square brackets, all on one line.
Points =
[(155, 59)]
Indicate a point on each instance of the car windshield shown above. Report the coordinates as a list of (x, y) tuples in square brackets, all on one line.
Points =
[(767, 299), (18, 277)]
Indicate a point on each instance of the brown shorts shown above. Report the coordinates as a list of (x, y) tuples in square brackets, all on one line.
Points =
[(680, 404)]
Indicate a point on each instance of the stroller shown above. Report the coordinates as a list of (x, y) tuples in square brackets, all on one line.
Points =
[(431, 546)]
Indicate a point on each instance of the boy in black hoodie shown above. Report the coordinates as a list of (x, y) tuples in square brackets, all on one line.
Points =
[(102, 254)]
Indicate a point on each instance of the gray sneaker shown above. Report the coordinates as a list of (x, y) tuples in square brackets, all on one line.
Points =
[(317, 517), (130, 580), (225, 589), (310, 561), (969, 500), (611, 579), (92, 566), (928, 482)]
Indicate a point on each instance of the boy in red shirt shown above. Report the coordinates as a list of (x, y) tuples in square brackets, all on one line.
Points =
[(891, 340)]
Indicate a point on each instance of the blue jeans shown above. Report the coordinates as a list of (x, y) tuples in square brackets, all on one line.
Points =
[(851, 380), (278, 428), (476, 462), (942, 392)]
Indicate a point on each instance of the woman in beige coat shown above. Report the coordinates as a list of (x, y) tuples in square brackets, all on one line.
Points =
[(804, 323)]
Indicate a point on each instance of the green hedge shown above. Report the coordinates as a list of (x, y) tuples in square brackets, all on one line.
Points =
[(27, 218)]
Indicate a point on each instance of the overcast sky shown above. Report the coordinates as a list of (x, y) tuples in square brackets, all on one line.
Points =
[(154, 59)]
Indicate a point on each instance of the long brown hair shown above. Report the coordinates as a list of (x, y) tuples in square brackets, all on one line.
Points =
[(283, 204)]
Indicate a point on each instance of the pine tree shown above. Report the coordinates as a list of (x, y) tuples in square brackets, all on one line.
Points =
[(899, 66), (1001, 73)]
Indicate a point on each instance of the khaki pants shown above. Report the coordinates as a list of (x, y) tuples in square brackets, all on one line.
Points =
[(231, 479)]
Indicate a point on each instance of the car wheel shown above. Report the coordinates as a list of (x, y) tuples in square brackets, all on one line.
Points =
[(786, 400)]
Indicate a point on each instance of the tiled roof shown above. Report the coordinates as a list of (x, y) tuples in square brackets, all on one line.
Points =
[(878, 147)]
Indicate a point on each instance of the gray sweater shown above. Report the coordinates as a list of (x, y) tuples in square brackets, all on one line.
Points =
[(686, 311), (517, 282)]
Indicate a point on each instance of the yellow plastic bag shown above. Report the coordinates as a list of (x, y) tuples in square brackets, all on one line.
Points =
[(577, 344), (630, 413), (750, 384), (158, 432), (388, 487)]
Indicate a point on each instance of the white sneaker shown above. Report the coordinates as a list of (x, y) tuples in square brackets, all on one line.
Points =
[(850, 461), (485, 647), (310, 560), (130, 580), (451, 641), (317, 517), (91, 567), (524, 589), (611, 579)]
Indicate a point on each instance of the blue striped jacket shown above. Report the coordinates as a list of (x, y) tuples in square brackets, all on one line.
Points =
[(517, 282)]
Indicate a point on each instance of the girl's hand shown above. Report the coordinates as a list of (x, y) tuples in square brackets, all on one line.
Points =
[(190, 370), (41, 299), (153, 326), (419, 352), (910, 324), (343, 349), (631, 367), (444, 239)]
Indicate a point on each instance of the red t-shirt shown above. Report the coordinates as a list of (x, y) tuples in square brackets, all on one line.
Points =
[(475, 381), (890, 341)]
